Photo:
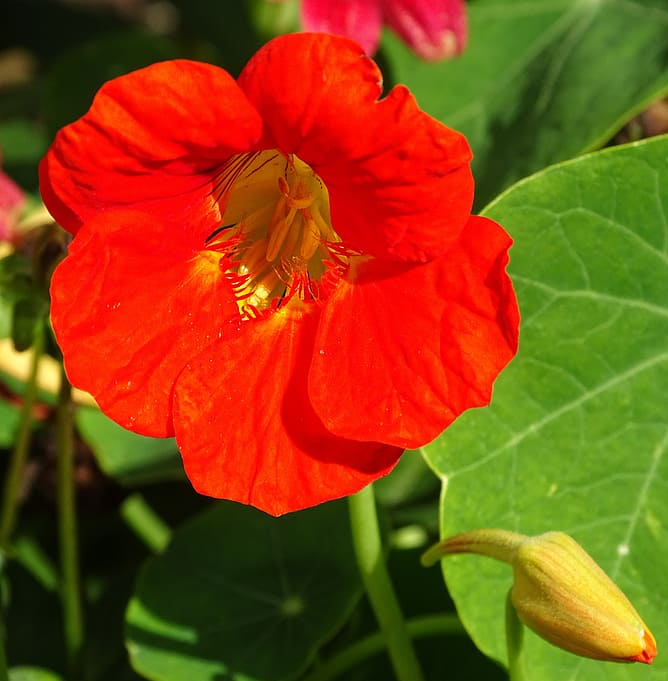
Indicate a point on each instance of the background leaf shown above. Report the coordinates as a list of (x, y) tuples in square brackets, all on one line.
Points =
[(32, 674), (242, 596), (577, 434), (542, 82), (9, 423), (129, 458), (21, 141)]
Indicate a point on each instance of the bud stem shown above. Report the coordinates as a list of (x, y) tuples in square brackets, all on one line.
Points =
[(499, 544), (514, 640)]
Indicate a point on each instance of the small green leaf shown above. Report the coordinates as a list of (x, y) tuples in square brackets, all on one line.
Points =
[(22, 305), (32, 674), (273, 18), (16, 277), (27, 315), (576, 438), (9, 423), (241, 596), (129, 458), (541, 82)]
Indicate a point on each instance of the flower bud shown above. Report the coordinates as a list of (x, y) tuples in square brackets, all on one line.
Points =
[(561, 593)]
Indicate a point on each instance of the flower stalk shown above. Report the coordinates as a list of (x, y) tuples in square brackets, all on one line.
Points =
[(67, 532), (371, 561), (514, 640), (11, 496), (337, 666)]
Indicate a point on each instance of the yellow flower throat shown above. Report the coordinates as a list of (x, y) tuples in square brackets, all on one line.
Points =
[(277, 236)]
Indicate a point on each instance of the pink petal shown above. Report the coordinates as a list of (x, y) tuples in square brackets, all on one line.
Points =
[(434, 29), (357, 19), (11, 201)]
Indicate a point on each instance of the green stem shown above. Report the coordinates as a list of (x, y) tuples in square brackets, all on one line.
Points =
[(17, 461), (146, 523), (67, 531), (514, 637), (418, 627), (11, 497), (379, 589)]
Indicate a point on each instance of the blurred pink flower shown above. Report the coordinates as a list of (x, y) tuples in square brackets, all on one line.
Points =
[(11, 204), (434, 29)]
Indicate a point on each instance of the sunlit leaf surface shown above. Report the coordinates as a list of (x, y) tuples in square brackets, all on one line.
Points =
[(577, 433)]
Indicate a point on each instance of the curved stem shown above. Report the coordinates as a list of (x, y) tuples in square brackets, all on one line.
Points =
[(371, 562), (514, 637), (17, 461), (417, 627), (19, 455), (67, 532)]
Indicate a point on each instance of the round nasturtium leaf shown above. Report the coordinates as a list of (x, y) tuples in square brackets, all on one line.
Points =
[(540, 82), (242, 596), (576, 438)]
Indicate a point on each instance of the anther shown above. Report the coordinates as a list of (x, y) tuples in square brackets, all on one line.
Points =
[(310, 239)]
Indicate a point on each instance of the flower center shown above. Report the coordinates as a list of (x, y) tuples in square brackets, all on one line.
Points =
[(276, 233)]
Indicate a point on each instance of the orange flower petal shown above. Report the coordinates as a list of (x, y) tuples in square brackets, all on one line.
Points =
[(247, 431), (401, 351), (151, 140), (131, 303), (399, 181)]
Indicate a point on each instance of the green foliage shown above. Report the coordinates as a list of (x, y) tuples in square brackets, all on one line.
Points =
[(23, 305), (242, 596), (576, 436), (128, 458), (543, 81)]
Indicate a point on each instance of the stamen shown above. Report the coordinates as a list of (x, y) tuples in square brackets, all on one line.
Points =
[(253, 256), (310, 238), (325, 229), (276, 238), (283, 251)]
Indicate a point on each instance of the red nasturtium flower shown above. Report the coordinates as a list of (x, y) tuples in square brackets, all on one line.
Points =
[(281, 271)]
